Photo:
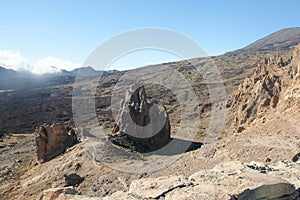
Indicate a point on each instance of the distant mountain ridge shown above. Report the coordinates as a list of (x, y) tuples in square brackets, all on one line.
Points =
[(82, 70), (14, 80), (87, 70), (278, 42)]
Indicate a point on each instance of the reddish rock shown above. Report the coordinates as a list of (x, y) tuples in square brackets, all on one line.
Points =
[(240, 129), (53, 140)]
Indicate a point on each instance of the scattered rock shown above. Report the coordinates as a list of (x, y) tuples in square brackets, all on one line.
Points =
[(268, 160), (262, 168), (73, 179), (77, 166), (53, 140), (240, 129), (141, 136)]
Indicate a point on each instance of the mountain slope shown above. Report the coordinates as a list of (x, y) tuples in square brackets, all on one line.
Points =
[(6, 75), (283, 39), (52, 100)]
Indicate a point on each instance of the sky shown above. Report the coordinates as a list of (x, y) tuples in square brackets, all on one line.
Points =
[(36, 34)]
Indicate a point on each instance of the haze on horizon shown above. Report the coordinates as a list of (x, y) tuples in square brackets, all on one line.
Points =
[(63, 33)]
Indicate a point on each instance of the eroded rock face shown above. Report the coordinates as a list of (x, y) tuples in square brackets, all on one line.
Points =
[(53, 140), (296, 57), (258, 93), (275, 84), (292, 93), (145, 133)]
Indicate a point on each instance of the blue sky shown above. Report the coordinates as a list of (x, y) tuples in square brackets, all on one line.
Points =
[(70, 30)]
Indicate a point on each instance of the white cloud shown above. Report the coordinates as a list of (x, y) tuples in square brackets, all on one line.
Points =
[(51, 65), (14, 60)]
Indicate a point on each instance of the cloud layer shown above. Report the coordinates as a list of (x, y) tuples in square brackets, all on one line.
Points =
[(14, 60)]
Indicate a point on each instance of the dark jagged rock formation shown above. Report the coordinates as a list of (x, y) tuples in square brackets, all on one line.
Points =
[(53, 140), (142, 136)]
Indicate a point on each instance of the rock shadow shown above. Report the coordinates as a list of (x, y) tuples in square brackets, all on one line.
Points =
[(177, 146), (296, 158)]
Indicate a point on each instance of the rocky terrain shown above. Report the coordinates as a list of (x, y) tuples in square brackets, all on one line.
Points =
[(255, 157), (53, 102)]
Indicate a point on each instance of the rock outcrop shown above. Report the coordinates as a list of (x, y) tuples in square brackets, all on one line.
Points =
[(229, 180), (296, 56), (277, 191), (53, 140), (292, 93), (136, 129), (259, 93), (275, 84)]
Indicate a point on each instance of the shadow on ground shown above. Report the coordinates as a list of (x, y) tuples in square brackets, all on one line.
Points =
[(109, 152), (176, 147)]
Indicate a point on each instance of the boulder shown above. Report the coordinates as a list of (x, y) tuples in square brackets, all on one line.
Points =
[(53, 140), (240, 129), (73, 179), (296, 158), (276, 191), (136, 129)]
